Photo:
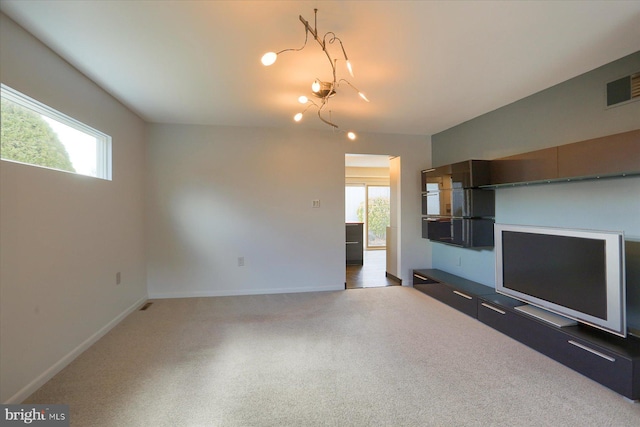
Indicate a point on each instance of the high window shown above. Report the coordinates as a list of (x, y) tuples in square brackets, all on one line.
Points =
[(36, 134)]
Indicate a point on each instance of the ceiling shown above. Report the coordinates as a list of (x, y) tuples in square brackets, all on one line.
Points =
[(425, 65)]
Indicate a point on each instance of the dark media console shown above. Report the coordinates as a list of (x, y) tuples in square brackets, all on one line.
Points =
[(608, 359)]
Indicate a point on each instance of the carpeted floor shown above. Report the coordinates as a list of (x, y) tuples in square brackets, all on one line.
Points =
[(386, 356)]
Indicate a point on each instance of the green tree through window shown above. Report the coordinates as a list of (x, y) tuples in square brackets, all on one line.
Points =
[(378, 215), (27, 138)]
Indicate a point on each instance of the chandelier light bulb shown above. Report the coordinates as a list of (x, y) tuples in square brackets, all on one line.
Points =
[(297, 117), (269, 58), (303, 99), (315, 86), (351, 135), (363, 96), (350, 68)]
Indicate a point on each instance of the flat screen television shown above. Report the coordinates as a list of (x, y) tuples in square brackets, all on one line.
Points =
[(578, 274)]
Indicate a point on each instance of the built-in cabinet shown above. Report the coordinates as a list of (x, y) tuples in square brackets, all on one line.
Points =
[(455, 209), (610, 360), (354, 234), (458, 205), (458, 208), (609, 156)]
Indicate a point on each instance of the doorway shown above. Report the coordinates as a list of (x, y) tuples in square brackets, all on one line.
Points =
[(372, 192)]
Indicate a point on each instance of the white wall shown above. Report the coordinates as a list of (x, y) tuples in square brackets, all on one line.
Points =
[(219, 193), (63, 236)]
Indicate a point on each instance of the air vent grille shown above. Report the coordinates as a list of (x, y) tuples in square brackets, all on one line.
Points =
[(146, 306), (635, 86), (623, 90)]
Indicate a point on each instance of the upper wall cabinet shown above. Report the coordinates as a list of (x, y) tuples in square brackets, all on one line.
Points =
[(610, 156), (458, 205), (456, 211)]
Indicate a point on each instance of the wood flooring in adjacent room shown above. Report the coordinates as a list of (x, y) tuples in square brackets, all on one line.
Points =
[(371, 274)]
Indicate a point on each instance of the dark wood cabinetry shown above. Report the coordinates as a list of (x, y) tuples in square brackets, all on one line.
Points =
[(463, 232), (609, 156), (462, 296), (610, 360), (355, 243), (456, 211), (458, 204)]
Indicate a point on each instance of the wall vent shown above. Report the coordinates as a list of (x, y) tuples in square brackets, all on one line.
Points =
[(635, 86), (623, 90), (147, 305)]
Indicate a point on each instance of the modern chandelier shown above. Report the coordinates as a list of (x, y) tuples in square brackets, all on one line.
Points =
[(323, 90)]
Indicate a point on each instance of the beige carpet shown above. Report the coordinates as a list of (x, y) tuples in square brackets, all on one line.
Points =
[(363, 357)]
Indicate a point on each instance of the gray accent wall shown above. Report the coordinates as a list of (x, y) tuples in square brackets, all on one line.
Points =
[(569, 112)]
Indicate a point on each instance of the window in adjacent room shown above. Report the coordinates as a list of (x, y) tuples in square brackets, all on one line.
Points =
[(378, 215), (355, 199), (371, 205), (38, 135)]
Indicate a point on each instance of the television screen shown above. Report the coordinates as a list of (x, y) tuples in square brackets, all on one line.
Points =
[(575, 273), (566, 270)]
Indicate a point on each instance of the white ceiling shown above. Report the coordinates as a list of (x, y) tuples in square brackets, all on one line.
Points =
[(425, 65)]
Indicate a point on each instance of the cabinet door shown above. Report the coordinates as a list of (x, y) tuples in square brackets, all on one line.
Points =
[(473, 203), (470, 173), (354, 242), (460, 300), (464, 232), (609, 369), (472, 233), (354, 253), (354, 233), (437, 203), (437, 229), (421, 279), (461, 203)]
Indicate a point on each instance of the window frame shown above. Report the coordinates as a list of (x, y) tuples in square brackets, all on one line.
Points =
[(103, 141)]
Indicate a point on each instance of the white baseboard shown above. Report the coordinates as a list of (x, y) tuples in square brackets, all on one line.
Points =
[(41, 379), (237, 292)]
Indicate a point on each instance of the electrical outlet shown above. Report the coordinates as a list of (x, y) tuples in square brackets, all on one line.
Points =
[(118, 278), (315, 203), (240, 261)]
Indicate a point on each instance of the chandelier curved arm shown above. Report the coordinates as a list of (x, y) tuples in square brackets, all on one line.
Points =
[(332, 40), (323, 42), (306, 38), (311, 104), (324, 103), (344, 52), (362, 95), (325, 120)]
